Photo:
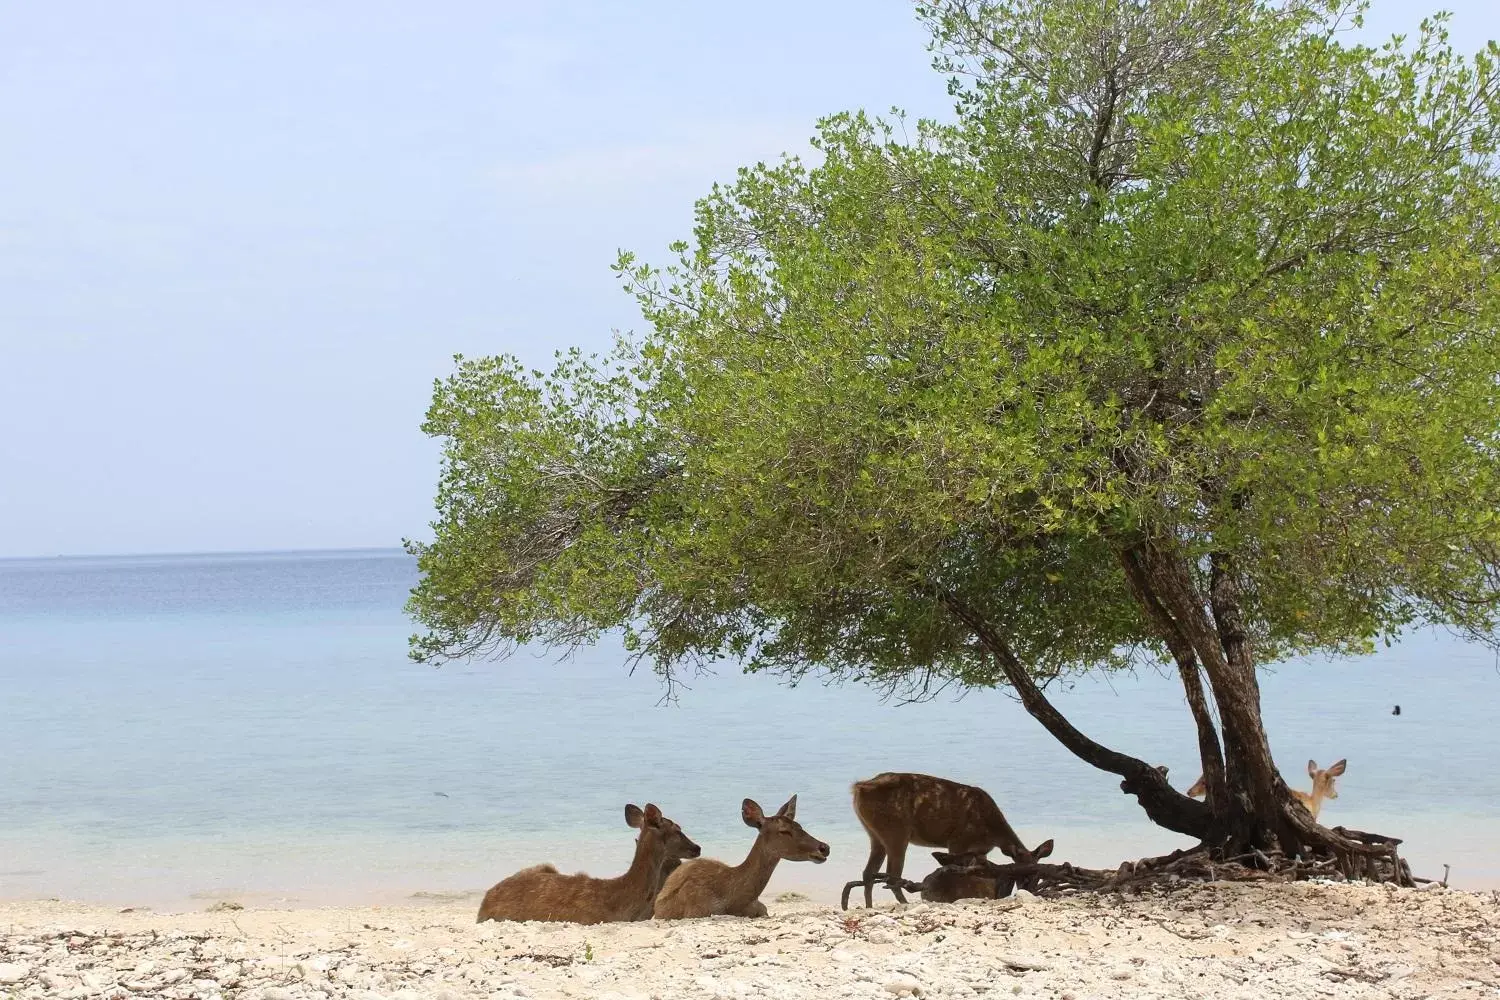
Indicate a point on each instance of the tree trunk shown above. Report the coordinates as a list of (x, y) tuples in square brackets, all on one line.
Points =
[(1257, 814), (1210, 752), (1248, 814), (1250, 811)]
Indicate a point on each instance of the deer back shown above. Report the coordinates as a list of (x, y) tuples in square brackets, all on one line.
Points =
[(932, 812)]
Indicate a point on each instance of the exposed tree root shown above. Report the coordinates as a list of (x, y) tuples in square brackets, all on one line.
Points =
[(1345, 855)]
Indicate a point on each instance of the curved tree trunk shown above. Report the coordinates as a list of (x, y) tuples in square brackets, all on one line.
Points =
[(1210, 752), (1249, 810), (1165, 805)]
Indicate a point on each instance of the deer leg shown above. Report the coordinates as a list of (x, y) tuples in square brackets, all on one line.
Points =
[(893, 868), (872, 868)]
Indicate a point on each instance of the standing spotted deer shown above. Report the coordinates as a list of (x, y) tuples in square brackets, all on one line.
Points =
[(899, 809), (708, 887), (1322, 786), (543, 893)]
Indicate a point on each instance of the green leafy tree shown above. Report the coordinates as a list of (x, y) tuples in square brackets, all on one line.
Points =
[(1178, 343)]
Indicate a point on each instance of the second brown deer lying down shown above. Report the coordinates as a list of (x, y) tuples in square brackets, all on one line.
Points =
[(898, 809), (543, 893), (1322, 787), (964, 876), (708, 887)]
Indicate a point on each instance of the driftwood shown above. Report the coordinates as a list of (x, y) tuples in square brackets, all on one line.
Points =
[(1378, 862)]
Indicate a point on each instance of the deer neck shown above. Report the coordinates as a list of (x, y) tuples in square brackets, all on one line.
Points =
[(1313, 800), (1003, 837), (752, 874), (645, 867)]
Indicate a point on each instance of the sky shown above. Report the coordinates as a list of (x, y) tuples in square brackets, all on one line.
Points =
[(238, 241)]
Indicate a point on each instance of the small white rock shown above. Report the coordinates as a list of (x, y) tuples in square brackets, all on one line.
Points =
[(903, 987), (13, 972)]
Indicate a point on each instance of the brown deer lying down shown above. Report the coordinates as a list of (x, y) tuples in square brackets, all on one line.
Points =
[(543, 893), (897, 809), (708, 887), (964, 876), (1322, 786)]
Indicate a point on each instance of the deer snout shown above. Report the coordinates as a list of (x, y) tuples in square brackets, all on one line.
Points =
[(820, 853), (693, 850)]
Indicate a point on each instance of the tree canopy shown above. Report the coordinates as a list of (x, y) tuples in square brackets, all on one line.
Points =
[(1178, 342)]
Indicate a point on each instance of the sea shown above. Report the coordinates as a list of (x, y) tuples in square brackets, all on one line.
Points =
[(181, 729)]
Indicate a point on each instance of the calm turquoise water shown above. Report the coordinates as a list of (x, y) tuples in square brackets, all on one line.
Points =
[(178, 728)]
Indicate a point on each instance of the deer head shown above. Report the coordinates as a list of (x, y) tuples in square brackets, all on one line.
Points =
[(782, 835), (675, 843), (1323, 779), (1198, 789), (1025, 857)]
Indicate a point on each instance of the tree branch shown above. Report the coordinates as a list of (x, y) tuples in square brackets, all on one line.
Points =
[(1164, 805)]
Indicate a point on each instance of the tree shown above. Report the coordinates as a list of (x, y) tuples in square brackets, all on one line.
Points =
[(1179, 343)]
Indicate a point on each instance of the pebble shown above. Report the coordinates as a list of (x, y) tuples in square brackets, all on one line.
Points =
[(903, 987)]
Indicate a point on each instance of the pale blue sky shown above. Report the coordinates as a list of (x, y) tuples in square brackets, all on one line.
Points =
[(239, 240)]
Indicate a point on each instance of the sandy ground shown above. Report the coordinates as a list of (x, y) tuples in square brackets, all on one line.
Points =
[(1213, 941)]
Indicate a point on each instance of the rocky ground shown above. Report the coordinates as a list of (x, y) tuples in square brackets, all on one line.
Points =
[(1211, 941)]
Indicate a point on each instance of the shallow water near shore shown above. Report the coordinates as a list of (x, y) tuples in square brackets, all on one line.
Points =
[(179, 729)]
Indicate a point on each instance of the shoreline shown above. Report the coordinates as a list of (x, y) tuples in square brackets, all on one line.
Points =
[(1199, 940), (271, 870)]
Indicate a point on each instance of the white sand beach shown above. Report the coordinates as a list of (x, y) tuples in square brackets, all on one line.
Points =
[(1218, 940)]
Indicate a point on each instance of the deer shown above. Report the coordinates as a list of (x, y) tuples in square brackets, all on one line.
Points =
[(964, 876), (1322, 786), (541, 892), (898, 809), (708, 887)]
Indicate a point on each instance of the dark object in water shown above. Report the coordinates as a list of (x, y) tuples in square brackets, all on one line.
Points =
[(1396, 710)]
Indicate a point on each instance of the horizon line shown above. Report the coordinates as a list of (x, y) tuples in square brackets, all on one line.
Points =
[(202, 553)]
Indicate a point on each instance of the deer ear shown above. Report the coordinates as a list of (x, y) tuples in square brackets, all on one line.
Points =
[(1312, 769), (945, 859), (790, 809), (653, 814), (751, 813), (634, 817), (1043, 851), (1337, 769)]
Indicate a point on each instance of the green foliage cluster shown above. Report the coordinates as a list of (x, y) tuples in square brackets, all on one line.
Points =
[(1191, 270)]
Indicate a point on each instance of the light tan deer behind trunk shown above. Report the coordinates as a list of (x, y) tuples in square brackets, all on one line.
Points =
[(1322, 786), (543, 893), (898, 809), (708, 887)]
